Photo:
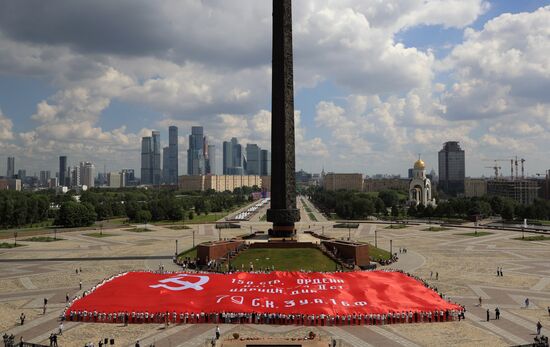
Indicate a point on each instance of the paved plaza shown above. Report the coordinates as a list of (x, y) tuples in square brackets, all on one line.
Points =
[(465, 266)]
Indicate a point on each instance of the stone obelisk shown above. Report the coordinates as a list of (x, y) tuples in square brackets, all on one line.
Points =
[(283, 212)]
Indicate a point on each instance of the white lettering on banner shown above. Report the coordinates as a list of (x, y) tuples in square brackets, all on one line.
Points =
[(237, 300), (318, 280), (261, 302), (182, 284)]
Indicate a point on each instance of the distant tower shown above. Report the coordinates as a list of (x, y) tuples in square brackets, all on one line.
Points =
[(196, 152), (265, 163), (63, 171), (87, 174), (157, 173), (253, 159), (173, 155), (420, 187), (233, 161), (211, 162), (11, 167), (452, 169), (146, 161), (166, 165)]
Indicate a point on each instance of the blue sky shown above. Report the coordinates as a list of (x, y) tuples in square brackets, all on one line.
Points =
[(376, 82)]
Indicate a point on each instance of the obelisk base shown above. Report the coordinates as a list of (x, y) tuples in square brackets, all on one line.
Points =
[(283, 222)]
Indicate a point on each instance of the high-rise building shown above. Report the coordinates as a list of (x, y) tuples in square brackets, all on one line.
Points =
[(233, 161), (115, 180), (196, 154), (11, 167), (157, 173), (146, 161), (75, 177), (45, 178), (172, 167), (129, 177), (165, 164), (21, 174), (265, 163), (253, 159), (227, 156), (452, 171), (211, 162), (151, 173), (87, 174), (62, 171)]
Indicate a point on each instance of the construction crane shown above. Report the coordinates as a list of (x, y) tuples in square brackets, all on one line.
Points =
[(496, 168)]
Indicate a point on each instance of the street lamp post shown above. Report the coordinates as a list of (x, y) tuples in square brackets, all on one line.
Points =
[(323, 228), (391, 248), (55, 233), (101, 229), (193, 238), (376, 238), (176, 247), (15, 238)]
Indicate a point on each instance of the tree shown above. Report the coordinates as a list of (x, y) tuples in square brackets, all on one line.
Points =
[(507, 210), (394, 211), (412, 211), (390, 197), (143, 216), (73, 214), (420, 210)]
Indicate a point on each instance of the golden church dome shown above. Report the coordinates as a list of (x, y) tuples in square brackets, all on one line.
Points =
[(419, 165)]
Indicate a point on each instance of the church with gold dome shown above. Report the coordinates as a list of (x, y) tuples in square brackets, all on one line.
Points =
[(420, 187)]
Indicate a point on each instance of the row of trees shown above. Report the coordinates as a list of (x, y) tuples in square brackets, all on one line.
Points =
[(348, 204), (18, 209), (508, 209), (148, 205), (356, 205)]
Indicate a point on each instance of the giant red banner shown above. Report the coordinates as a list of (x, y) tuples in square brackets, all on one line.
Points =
[(372, 292)]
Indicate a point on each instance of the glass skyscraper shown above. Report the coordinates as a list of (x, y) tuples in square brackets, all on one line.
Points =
[(452, 169)]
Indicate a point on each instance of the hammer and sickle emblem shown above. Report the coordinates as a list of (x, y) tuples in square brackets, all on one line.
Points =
[(182, 285)]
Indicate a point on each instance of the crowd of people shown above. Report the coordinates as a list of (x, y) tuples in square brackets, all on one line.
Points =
[(179, 317)]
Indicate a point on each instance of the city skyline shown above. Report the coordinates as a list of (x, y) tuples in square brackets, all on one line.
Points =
[(399, 80)]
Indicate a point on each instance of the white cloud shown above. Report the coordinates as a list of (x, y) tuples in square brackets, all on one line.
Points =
[(6, 126), (501, 69)]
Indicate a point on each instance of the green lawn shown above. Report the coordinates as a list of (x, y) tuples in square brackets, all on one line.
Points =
[(46, 225), (533, 238), (139, 230), (263, 218), (42, 239), (378, 253), (346, 225), (178, 227), (396, 226), (192, 252), (99, 235), (289, 259), (312, 216), (479, 233), (9, 245), (436, 229)]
